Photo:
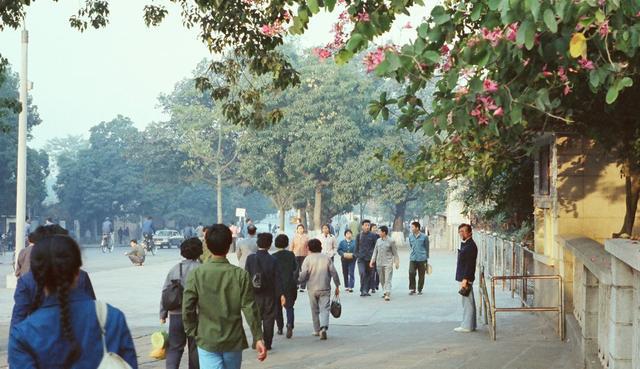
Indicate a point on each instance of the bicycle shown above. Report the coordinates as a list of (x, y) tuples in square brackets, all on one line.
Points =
[(107, 243), (149, 245)]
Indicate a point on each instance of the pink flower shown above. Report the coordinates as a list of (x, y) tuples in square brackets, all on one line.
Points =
[(512, 31), (526, 62), (272, 30), (363, 17), (477, 111), (488, 102), (472, 41), (498, 112), (545, 72), (444, 50), (321, 53), (407, 25), (493, 36), (483, 120), (604, 29), (586, 64), (375, 57), (602, 2), (489, 85), (567, 90), (562, 74)]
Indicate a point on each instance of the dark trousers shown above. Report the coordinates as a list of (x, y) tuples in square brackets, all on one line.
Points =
[(366, 275), (267, 306), (375, 279), (280, 316), (421, 267), (348, 269), (177, 340), (300, 260)]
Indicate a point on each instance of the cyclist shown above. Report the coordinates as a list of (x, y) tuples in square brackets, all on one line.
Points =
[(148, 230), (107, 230)]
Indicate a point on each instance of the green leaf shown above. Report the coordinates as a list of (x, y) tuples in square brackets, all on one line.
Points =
[(313, 6), (594, 78), (439, 15), (303, 14), (343, 56), (494, 4), (612, 94), (355, 42), (530, 35), (550, 20), (423, 30), (432, 56), (330, 4), (599, 15), (394, 61), (516, 114), (477, 11), (534, 5), (625, 82)]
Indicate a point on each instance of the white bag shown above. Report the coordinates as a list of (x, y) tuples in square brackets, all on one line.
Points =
[(109, 360)]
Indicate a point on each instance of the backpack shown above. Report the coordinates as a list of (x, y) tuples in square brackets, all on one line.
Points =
[(172, 295), (110, 360)]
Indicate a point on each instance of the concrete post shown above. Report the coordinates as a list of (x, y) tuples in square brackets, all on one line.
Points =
[(621, 315)]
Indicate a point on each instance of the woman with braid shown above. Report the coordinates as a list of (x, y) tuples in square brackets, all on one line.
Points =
[(64, 332)]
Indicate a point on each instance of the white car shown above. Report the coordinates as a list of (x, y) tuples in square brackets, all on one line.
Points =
[(168, 238)]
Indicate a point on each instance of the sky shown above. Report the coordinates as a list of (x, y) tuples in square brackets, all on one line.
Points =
[(82, 79)]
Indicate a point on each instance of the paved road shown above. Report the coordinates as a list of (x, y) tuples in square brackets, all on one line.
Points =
[(407, 332)]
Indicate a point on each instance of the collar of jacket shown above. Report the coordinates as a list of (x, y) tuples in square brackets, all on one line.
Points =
[(218, 259), (74, 295)]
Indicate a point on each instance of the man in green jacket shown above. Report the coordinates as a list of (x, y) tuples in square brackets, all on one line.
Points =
[(217, 327)]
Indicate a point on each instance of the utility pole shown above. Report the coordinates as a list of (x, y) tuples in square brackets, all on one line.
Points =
[(21, 177)]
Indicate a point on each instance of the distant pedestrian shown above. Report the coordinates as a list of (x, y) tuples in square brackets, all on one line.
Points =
[(329, 242), (466, 274), (247, 246), (300, 249), (385, 257), (190, 249), (137, 253), (245, 227), (120, 235), (218, 327), (365, 244), (317, 271), (289, 274), (267, 285), (346, 250), (65, 332), (375, 278), (418, 258), (332, 230)]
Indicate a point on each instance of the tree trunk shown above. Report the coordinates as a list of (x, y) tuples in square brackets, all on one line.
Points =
[(317, 209), (632, 185), (281, 216), (398, 217), (303, 216), (219, 196), (362, 206)]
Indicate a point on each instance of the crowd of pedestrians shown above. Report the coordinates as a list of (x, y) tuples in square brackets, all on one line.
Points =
[(208, 296)]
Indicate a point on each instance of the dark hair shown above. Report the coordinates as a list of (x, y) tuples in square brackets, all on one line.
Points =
[(300, 225), (464, 225), (265, 240), (373, 225), (134, 241), (384, 229), (347, 231), (326, 225), (282, 241), (416, 224), (191, 248), (43, 232), (315, 245), (218, 238), (251, 229), (55, 264), (365, 221)]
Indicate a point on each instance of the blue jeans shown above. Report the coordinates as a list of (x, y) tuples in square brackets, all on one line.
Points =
[(348, 269), (219, 360)]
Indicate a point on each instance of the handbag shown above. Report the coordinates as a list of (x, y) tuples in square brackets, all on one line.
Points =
[(347, 255), (429, 269), (465, 291), (110, 360), (336, 307), (172, 295)]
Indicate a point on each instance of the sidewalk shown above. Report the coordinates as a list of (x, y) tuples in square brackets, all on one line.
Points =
[(407, 332)]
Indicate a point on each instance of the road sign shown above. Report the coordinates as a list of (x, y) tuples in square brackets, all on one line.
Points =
[(240, 212)]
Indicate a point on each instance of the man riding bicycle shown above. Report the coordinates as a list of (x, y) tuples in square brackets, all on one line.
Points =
[(148, 230), (107, 230)]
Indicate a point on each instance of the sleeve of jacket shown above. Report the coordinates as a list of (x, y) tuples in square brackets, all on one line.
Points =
[(470, 263), (357, 248), (167, 282), (334, 274), (304, 271), (126, 348), (250, 308), (394, 251), (87, 287), (278, 278), (190, 306), (342, 248), (22, 298), (20, 355), (375, 252)]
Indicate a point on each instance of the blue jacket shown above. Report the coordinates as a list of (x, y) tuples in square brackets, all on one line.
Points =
[(147, 227), (27, 289), (419, 247), (37, 342), (346, 246), (467, 255), (365, 243)]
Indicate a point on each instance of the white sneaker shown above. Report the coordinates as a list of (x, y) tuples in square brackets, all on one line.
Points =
[(315, 334), (462, 330)]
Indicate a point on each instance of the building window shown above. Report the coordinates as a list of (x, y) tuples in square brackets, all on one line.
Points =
[(544, 177)]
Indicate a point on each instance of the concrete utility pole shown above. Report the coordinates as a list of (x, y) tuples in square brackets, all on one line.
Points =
[(21, 178)]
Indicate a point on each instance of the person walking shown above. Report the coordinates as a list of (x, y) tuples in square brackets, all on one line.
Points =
[(365, 243), (317, 271), (218, 328), (190, 250), (466, 274), (385, 256), (418, 258), (66, 325), (267, 285), (137, 253), (120, 234), (300, 249), (329, 242), (288, 268), (346, 251), (247, 246)]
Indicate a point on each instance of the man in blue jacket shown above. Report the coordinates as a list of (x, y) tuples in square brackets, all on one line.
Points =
[(466, 274), (365, 243), (419, 246)]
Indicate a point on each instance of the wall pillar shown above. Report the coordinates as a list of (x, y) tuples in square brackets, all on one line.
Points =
[(589, 314), (621, 315)]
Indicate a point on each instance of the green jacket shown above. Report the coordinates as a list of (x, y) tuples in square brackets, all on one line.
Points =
[(214, 297)]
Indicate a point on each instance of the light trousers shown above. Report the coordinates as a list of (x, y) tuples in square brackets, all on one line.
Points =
[(469, 311), (219, 360), (320, 302), (386, 274)]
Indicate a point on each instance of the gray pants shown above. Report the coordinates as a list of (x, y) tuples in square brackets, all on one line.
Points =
[(136, 259), (386, 274), (469, 311), (320, 302)]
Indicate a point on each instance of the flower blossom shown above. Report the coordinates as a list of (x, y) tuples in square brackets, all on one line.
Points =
[(363, 16), (498, 112), (586, 64), (321, 53), (493, 36), (489, 85), (512, 32), (407, 25), (272, 30), (604, 29), (374, 58)]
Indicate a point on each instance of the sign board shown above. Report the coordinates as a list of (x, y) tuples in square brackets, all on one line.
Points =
[(240, 212)]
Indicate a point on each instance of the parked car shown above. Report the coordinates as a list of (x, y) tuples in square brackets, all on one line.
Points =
[(168, 238)]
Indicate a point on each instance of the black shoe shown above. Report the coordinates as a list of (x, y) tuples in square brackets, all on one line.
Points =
[(289, 331), (280, 332), (362, 294), (323, 334), (373, 291), (412, 292), (367, 294), (419, 292)]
